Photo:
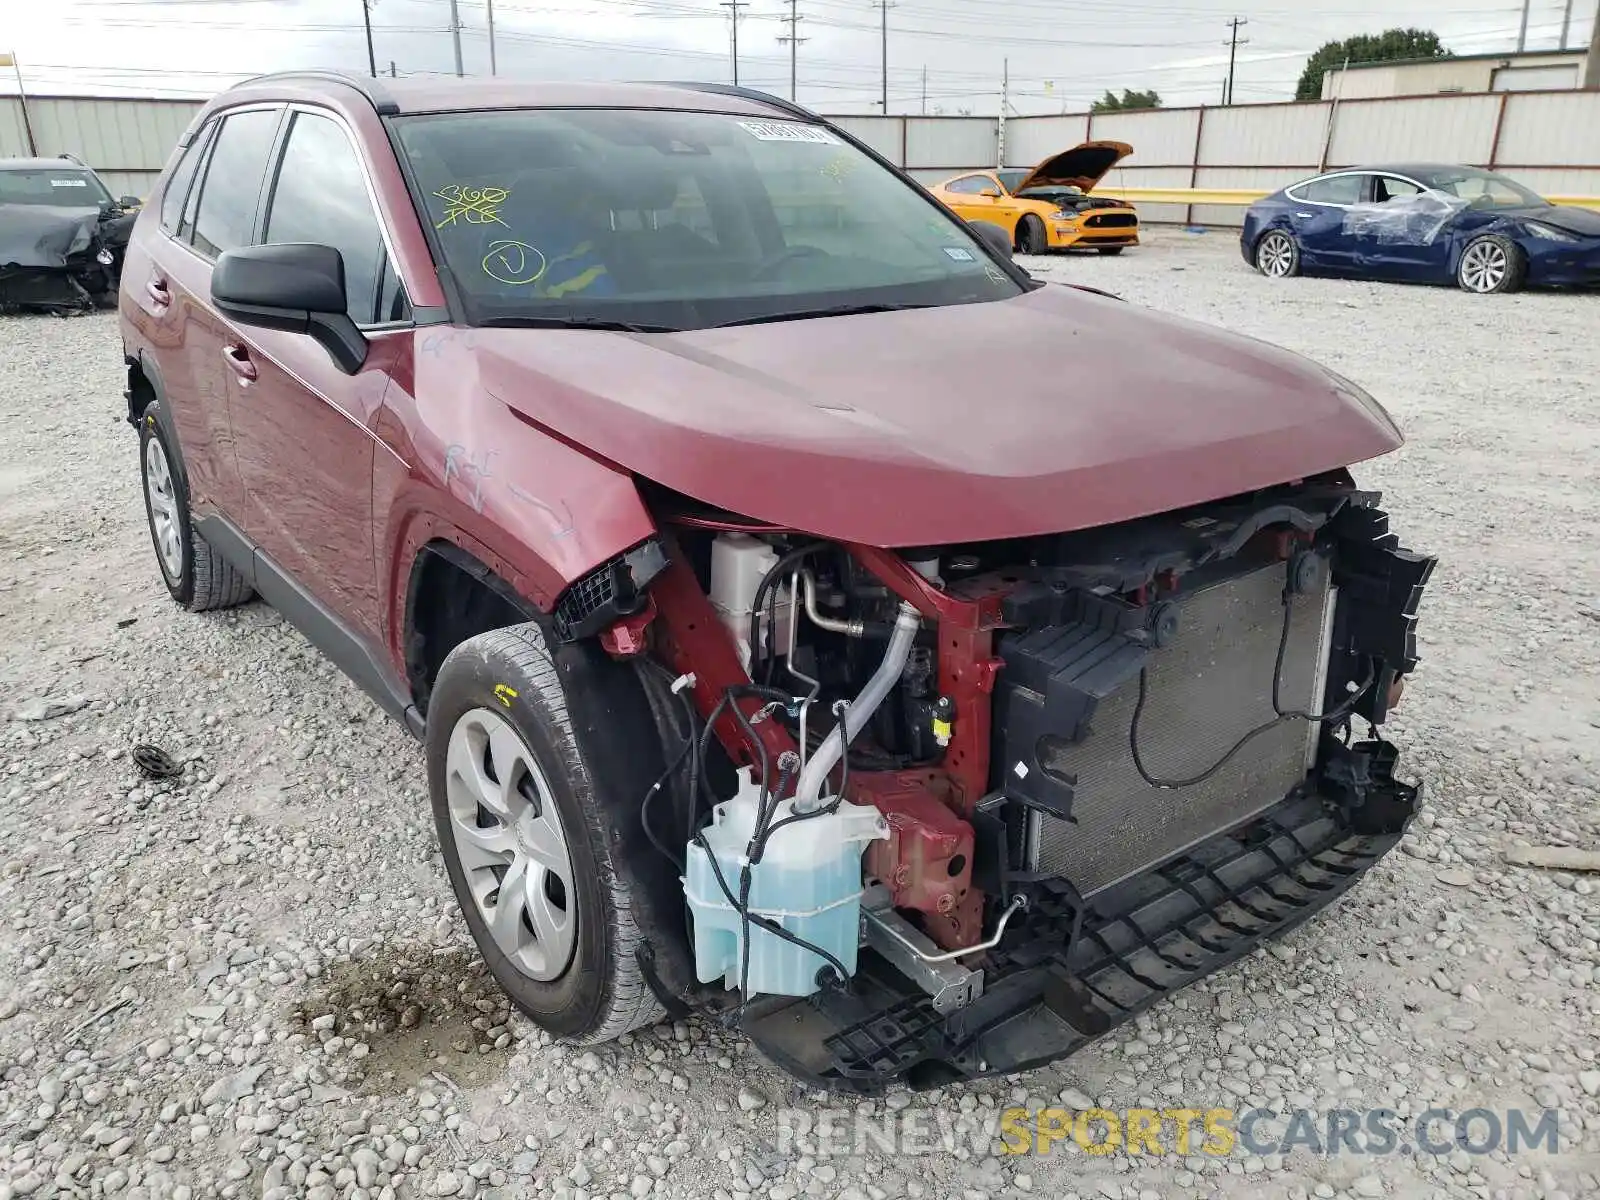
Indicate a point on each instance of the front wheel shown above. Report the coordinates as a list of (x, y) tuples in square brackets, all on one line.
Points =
[(1112, 250), (1277, 255), (1491, 264), (528, 844), (1031, 235)]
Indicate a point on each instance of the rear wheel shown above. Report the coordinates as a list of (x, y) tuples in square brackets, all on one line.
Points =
[(1492, 264), (196, 576), (1277, 255), (527, 844), (1031, 235)]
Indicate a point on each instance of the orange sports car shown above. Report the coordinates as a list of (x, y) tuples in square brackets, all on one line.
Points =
[(1049, 207)]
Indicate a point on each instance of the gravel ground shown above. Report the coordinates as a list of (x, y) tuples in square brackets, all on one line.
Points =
[(251, 980)]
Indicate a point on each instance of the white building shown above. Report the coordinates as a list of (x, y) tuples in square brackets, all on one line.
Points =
[(1532, 70)]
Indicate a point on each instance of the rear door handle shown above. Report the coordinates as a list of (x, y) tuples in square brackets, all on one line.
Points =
[(1304, 215), (156, 289), (239, 359)]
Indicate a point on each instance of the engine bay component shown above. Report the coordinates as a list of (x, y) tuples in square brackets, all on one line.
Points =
[(815, 774), (1075, 762), (948, 984), (739, 562), (796, 871)]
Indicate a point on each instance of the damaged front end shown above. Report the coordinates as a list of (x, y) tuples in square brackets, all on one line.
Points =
[(61, 260), (1070, 774)]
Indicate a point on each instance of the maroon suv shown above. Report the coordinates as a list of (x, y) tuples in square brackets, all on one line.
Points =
[(809, 616)]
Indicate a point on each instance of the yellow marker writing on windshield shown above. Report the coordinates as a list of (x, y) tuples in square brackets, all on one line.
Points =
[(514, 263), (475, 206)]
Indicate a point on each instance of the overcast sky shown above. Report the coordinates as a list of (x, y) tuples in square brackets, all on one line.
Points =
[(1062, 53)]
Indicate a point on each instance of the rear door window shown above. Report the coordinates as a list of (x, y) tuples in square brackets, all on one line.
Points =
[(172, 200), (226, 216), (321, 196), (1335, 189)]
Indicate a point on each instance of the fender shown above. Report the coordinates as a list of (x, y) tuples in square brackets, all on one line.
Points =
[(469, 471)]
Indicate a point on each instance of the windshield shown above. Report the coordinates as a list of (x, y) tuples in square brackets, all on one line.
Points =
[(1482, 189), (64, 187), (678, 220)]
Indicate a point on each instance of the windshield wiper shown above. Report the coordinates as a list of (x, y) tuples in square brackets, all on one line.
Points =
[(605, 323), (807, 314)]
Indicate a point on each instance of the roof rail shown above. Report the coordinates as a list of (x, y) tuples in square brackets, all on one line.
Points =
[(745, 93), (377, 95)]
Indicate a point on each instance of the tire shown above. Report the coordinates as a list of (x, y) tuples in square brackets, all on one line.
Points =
[(1110, 251), (196, 576), (1031, 235), (1491, 264), (1277, 254), (499, 731)]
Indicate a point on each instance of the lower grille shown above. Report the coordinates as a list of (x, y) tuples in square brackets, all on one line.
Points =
[(1205, 690)]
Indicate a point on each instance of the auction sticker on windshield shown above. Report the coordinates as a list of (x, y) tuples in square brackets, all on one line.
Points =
[(788, 131), (69, 183)]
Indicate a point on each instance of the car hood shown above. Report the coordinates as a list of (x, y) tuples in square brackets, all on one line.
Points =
[(1053, 411), (1084, 166), (41, 235), (1582, 221)]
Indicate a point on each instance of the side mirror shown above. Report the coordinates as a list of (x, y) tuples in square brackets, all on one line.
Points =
[(996, 238), (991, 193), (298, 287), (129, 201)]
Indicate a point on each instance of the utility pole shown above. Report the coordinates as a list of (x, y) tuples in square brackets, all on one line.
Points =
[(924, 89), (734, 6), (885, 6), (492, 67), (366, 19), (455, 34), (1234, 42), (794, 39), (1005, 102), (393, 73), (1522, 34)]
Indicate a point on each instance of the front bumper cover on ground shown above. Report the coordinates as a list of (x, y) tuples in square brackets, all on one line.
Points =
[(1071, 970)]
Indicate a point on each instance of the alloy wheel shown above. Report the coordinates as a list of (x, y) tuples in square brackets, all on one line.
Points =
[(1275, 255), (1484, 266), (163, 508), (508, 838)]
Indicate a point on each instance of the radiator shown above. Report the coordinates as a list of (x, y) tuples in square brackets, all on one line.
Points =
[(1205, 690)]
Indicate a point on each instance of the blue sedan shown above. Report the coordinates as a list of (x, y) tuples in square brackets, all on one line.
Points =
[(1423, 223)]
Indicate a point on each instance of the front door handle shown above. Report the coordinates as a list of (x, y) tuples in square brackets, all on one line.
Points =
[(157, 290), (1304, 215), (239, 359)]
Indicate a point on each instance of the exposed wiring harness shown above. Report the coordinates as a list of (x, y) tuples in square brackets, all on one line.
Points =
[(696, 746), (1338, 713)]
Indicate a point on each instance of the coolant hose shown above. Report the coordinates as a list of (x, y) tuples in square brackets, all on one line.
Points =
[(813, 778)]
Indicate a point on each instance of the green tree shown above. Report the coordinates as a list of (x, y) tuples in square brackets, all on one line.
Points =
[(1389, 46), (1129, 99)]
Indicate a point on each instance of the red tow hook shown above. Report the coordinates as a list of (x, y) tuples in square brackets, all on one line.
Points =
[(626, 639)]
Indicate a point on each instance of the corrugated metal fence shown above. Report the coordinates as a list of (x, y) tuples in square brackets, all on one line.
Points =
[(1548, 140)]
